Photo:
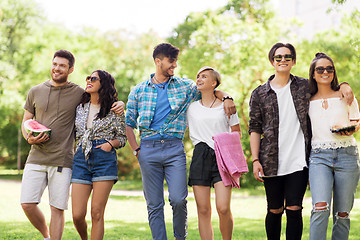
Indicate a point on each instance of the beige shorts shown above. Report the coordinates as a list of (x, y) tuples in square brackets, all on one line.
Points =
[(37, 177)]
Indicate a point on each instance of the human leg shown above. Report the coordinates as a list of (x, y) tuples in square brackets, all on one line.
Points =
[(295, 187), (33, 185), (59, 188), (80, 194), (175, 175), (321, 187), (101, 192), (223, 198), (152, 174), (36, 217), (203, 205), (346, 178), (57, 222), (274, 189)]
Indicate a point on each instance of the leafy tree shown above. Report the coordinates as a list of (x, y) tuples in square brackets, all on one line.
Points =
[(235, 41)]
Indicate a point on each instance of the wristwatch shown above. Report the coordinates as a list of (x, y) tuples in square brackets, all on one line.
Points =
[(135, 152)]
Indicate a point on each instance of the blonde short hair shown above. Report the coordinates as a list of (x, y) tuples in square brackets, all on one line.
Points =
[(214, 73)]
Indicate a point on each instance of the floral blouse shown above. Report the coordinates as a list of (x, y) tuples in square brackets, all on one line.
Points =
[(110, 127)]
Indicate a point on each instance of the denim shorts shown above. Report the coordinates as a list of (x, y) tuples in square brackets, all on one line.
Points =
[(101, 165)]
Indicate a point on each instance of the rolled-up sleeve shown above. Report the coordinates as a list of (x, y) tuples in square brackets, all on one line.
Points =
[(132, 110), (120, 129), (194, 93), (255, 118)]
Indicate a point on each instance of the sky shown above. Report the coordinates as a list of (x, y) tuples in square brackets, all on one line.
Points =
[(137, 16)]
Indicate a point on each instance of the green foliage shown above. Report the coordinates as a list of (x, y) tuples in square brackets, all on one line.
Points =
[(235, 44), (339, 1), (234, 39), (27, 45)]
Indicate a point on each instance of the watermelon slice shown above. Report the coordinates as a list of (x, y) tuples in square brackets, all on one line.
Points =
[(36, 127)]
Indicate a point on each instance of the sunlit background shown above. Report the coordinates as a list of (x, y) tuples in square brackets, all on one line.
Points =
[(233, 36)]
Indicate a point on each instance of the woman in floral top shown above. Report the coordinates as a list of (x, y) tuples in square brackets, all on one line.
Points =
[(99, 132)]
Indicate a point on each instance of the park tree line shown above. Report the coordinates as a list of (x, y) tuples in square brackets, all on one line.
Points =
[(234, 39)]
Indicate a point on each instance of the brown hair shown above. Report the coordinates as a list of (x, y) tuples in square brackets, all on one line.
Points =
[(65, 54), (213, 72)]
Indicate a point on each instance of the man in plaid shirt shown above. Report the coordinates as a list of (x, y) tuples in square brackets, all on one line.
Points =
[(159, 104)]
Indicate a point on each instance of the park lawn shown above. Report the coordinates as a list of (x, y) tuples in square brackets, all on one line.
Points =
[(126, 217)]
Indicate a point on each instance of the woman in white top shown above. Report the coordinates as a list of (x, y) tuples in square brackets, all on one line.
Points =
[(334, 160), (206, 118)]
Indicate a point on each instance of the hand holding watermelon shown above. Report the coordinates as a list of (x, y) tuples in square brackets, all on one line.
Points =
[(37, 133)]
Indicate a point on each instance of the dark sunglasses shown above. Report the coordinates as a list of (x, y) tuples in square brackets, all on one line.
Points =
[(92, 79), (288, 57), (321, 70)]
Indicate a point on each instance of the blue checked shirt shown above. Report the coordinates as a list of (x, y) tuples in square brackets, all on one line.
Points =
[(142, 101)]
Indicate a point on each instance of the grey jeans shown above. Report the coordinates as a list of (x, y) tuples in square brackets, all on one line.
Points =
[(159, 160)]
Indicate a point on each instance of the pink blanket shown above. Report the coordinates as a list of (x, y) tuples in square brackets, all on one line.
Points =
[(230, 158)]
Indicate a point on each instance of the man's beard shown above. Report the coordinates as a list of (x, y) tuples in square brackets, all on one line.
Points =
[(60, 80), (166, 73)]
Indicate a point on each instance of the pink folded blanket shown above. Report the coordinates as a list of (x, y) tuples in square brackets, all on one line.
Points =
[(230, 158)]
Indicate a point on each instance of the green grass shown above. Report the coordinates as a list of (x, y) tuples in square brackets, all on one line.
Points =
[(126, 217), (128, 185), (10, 174)]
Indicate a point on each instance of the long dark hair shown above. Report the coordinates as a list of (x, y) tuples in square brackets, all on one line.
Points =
[(312, 82), (107, 93)]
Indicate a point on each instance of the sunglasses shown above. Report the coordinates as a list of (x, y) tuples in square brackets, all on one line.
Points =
[(288, 57), (321, 70), (92, 79)]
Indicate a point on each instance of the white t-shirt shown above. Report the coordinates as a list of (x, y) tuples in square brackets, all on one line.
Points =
[(204, 122), (339, 114), (93, 110), (292, 156)]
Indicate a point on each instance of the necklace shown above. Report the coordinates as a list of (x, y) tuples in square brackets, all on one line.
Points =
[(324, 103), (211, 104), (159, 84)]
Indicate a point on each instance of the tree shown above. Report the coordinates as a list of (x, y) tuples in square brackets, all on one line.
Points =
[(234, 40)]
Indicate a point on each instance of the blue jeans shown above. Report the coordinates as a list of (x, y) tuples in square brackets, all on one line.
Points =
[(332, 172), (159, 160)]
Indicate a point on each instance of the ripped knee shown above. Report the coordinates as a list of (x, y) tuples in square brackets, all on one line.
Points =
[(321, 206), (342, 215), (294, 208), (277, 211)]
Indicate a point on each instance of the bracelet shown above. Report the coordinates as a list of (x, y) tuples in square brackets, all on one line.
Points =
[(255, 160), (110, 144), (227, 97)]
